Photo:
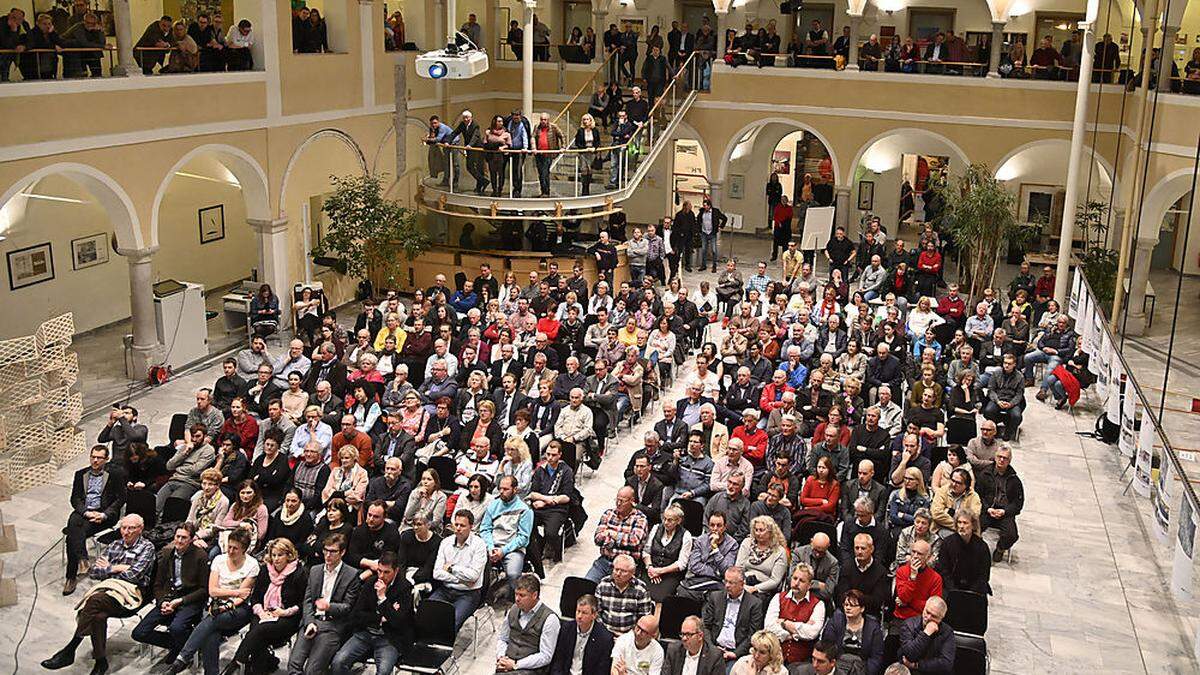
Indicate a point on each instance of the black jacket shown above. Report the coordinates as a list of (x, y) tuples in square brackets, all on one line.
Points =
[(257, 405), (394, 616), (597, 655), (873, 583), (683, 230), (193, 572), (651, 502), (112, 497), (336, 378), (872, 639), (750, 619), (711, 662), (291, 593), (934, 655)]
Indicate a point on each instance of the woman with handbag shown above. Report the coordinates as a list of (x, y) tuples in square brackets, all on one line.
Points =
[(275, 604), (588, 136), (230, 583)]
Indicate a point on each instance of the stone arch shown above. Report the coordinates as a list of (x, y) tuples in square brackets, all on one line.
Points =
[(337, 134), (1063, 146), (1168, 190), (794, 124), (249, 174), (902, 131), (687, 132), (107, 191)]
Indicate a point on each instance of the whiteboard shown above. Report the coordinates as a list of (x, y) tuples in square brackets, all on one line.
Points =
[(735, 221), (818, 227)]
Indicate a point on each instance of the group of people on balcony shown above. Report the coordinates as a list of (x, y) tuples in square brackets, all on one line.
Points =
[(202, 45), (35, 51), (310, 35)]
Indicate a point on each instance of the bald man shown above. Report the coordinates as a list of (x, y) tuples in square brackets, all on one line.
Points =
[(638, 651), (824, 564)]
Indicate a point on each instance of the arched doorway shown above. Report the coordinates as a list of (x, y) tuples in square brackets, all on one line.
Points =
[(1165, 213), (892, 173)]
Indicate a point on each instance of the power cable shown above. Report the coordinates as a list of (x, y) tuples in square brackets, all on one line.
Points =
[(32, 607)]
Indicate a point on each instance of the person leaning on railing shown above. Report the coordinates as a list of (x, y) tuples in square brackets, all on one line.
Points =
[(547, 138), (151, 49), (86, 34), (439, 133), (13, 31), (238, 42), (42, 44), (185, 56)]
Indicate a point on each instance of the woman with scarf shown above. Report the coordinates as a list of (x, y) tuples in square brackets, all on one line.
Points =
[(209, 505), (276, 600), (292, 522)]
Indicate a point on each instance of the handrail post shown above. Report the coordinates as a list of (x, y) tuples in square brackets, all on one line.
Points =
[(512, 173), (450, 168), (576, 181)]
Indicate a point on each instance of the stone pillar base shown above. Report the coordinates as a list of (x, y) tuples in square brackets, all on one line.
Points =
[(141, 358)]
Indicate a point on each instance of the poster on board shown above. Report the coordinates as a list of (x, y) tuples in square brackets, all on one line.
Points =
[(1128, 439), (1076, 291), (818, 228), (1185, 548), (1161, 500), (1145, 457)]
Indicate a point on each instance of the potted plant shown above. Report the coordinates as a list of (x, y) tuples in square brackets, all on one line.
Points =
[(368, 232), (1098, 262)]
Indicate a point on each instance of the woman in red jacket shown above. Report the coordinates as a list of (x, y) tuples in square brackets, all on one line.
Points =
[(781, 226), (819, 496), (929, 269)]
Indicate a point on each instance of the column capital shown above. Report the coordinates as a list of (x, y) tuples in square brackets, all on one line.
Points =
[(999, 25), (716, 184), (842, 190), (268, 225), (138, 255), (1147, 243)]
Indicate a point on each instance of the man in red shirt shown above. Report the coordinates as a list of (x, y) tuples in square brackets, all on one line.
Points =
[(350, 435), (753, 439), (916, 582), (952, 307)]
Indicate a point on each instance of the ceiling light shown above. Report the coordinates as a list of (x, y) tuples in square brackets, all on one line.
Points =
[(50, 198)]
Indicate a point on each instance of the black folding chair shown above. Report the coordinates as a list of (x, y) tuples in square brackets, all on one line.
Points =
[(434, 639), (573, 589), (970, 655), (959, 429), (674, 610), (693, 516), (178, 427), (175, 510), (445, 468), (142, 503), (967, 611), (807, 529)]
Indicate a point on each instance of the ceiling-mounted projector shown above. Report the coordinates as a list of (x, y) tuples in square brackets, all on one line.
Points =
[(460, 60)]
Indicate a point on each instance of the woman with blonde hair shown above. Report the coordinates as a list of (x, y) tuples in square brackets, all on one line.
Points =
[(587, 136), (275, 603), (348, 480), (904, 503), (516, 463), (765, 657), (763, 556)]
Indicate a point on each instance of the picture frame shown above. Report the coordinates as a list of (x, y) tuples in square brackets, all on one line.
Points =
[(212, 223), (866, 195), (737, 186), (89, 251), (30, 265)]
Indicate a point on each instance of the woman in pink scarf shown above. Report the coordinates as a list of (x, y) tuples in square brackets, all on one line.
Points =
[(276, 605)]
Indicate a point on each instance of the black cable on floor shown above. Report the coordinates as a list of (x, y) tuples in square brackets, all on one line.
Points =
[(32, 606)]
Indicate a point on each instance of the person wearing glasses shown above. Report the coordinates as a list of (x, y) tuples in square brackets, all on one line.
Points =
[(584, 645), (333, 589), (638, 652), (693, 647)]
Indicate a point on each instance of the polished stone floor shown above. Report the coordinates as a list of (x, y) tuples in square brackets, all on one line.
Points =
[(1086, 589)]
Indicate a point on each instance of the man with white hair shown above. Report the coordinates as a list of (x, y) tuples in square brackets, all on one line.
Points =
[(926, 642), (891, 415), (469, 134), (574, 427), (123, 573), (716, 435), (732, 463)]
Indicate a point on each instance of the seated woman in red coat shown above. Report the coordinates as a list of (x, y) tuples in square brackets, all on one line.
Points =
[(929, 268), (819, 496)]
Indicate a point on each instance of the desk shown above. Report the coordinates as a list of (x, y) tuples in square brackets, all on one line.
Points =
[(1151, 297), (235, 306), (1050, 259)]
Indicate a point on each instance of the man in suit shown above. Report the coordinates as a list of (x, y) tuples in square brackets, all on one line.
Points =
[(507, 363), (179, 594), (394, 442), (824, 565), (509, 400), (327, 368), (537, 373), (647, 490), (731, 616), (332, 593), (866, 574), (692, 644), (600, 392), (927, 642), (570, 378), (825, 662), (671, 430), (259, 392), (381, 619), (865, 522), (584, 645), (97, 494), (468, 133)]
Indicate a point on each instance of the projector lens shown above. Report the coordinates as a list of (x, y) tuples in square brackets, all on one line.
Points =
[(437, 70)]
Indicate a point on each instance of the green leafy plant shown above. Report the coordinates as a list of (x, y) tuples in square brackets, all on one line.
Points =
[(980, 215), (1099, 263), (368, 231)]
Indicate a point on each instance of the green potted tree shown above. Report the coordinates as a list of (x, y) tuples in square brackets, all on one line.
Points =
[(368, 232)]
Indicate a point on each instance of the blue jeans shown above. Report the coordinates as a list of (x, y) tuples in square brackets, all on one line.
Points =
[(179, 625), (708, 244), (514, 564), (622, 407), (361, 645), (1033, 358), (465, 602), (208, 635), (600, 569), (870, 295)]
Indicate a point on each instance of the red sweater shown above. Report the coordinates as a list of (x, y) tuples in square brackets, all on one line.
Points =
[(930, 262), (247, 433), (843, 434), (772, 397), (911, 594), (756, 444), (812, 494)]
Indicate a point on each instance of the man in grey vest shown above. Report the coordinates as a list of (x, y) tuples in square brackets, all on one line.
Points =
[(526, 638)]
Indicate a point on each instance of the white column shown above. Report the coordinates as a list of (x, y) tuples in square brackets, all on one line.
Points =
[(1074, 165), (123, 21), (273, 259), (147, 350), (852, 59), (270, 39), (366, 29), (599, 25), (527, 65), (997, 45), (1167, 57), (841, 201), (1139, 278), (714, 191)]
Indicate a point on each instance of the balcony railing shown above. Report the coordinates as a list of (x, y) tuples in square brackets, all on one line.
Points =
[(52, 64)]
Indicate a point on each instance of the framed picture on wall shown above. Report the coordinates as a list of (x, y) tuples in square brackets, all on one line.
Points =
[(212, 223), (737, 186), (30, 265), (866, 195), (89, 251)]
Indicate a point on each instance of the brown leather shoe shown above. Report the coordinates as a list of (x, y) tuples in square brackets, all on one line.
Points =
[(69, 586), (85, 565)]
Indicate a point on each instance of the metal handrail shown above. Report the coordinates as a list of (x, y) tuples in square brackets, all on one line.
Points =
[(582, 87)]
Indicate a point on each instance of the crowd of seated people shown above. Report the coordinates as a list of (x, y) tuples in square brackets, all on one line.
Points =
[(438, 451), (816, 500)]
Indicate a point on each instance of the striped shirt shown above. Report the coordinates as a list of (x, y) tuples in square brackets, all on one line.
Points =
[(616, 535)]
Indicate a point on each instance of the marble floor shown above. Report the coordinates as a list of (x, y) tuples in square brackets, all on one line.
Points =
[(1086, 589)]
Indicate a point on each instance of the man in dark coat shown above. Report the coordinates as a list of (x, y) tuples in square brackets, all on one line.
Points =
[(381, 619), (97, 494), (596, 658)]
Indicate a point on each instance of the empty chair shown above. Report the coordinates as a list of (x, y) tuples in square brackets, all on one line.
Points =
[(674, 610), (970, 655), (807, 529), (573, 589), (175, 510), (959, 430), (967, 611), (445, 468), (434, 639), (693, 516)]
